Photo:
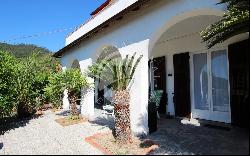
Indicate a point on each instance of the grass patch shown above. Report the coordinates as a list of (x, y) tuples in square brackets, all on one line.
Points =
[(137, 147), (70, 120)]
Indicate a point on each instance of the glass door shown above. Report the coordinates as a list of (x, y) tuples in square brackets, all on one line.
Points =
[(211, 86), (201, 82), (219, 71)]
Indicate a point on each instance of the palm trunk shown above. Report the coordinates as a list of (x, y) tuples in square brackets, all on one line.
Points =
[(122, 117), (72, 101)]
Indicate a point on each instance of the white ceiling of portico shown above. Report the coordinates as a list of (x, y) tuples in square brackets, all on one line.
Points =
[(187, 26)]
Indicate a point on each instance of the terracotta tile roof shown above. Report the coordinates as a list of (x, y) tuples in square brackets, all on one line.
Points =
[(101, 7)]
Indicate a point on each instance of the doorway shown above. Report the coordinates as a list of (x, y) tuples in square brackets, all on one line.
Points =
[(239, 58), (99, 100), (210, 86), (182, 85)]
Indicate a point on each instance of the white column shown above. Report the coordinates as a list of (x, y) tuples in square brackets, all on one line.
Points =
[(139, 89), (88, 96)]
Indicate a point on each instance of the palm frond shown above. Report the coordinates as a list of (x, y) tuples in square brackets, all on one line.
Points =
[(235, 21), (116, 73)]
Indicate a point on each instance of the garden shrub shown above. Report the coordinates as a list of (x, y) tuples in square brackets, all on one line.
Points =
[(22, 83), (8, 74), (33, 77), (54, 89), (70, 79)]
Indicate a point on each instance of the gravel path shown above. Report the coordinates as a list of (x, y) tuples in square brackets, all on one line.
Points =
[(44, 136)]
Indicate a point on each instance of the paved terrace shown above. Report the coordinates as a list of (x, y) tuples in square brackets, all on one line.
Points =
[(44, 136)]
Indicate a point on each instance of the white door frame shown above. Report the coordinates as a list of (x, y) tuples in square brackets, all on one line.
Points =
[(208, 114)]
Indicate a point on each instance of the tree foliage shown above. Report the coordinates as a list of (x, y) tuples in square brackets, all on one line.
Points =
[(235, 21), (23, 50), (72, 80), (32, 78), (23, 81), (54, 89), (8, 92)]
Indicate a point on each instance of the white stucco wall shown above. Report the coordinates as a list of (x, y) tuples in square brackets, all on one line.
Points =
[(138, 32)]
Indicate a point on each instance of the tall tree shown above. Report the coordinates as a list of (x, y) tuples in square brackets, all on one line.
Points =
[(235, 21), (118, 73)]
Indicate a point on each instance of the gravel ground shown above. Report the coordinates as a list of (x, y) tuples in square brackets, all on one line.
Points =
[(44, 136)]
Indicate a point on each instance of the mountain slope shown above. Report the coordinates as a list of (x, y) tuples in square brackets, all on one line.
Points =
[(23, 50)]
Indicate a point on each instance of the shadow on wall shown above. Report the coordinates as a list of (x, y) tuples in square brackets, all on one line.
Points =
[(1, 145)]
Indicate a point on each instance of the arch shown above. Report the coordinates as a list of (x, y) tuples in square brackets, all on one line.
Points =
[(103, 93), (106, 52), (178, 18), (75, 64)]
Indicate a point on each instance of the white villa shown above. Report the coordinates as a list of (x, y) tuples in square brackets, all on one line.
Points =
[(200, 83)]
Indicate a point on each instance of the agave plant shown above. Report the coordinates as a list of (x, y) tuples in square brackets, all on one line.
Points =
[(118, 74)]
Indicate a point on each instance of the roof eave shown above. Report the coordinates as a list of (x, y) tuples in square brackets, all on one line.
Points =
[(59, 53)]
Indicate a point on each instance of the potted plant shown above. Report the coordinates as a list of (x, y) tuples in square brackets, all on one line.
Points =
[(117, 74)]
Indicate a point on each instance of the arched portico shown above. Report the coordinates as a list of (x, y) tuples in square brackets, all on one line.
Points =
[(179, 45), (162, 29), (103, 94), (177, 19)]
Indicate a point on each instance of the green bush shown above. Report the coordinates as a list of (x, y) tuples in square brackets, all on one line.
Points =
[(22, 83), (8, 92), (33, 77), (73, 80), (54, 89), (70, 79)]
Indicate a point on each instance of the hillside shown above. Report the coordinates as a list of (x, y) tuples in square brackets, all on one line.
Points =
[(22, 50)]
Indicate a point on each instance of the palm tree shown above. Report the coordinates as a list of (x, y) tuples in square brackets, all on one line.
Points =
[(117, 74), (235, 21), (74, 81), (71, 80)]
